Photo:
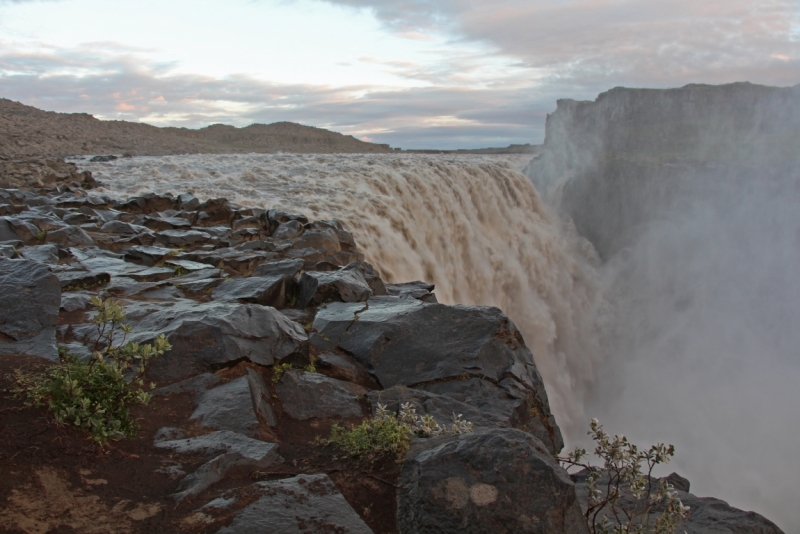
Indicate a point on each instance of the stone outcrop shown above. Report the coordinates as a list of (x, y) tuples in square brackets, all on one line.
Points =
[(488, 481)]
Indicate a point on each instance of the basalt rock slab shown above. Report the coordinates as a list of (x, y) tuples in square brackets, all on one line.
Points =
[(284, 267), (42, 253), (402, 341), (342, 367), (228, 407), (69, 236), (266, 290), (415, 290), (487, 481), (306, 395), (208, 335), (82, 279), (297, 505), (30, 296), (315, 288), (260, 396), (182, 238)]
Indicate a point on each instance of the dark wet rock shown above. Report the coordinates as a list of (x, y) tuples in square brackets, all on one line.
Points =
[(69, 236), (188, 202), (148, 255), (47, 254), (324, 240), (153, 274), (182, 238), (123, 228), (195, 275), (30, 296), (708, 515), (284, 267), (271, 219), (246, 222), (148, 203), (266, 290), (230, 259), (315, 288), (303, 317), (195, 384), (15, 229), (214, 212), (185, 265), (99, 260), (206, 336), (165, 223), (440, 407), (288, 230), (342, 367), (78, 218), (414, 290), (297, 505), (198, 288), (164, 293), (230, 449), (246, 235), (487, 481), (300, 393), (82, 279), (128, 287), (408, 342), (260, 396), (7, 232), (10, 251), (374, 281), (678, 482), (228, 407)]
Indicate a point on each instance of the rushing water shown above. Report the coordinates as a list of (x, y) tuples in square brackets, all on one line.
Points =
[(472, 225)]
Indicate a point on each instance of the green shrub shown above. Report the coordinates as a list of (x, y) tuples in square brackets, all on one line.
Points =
[(389, 434), (624, 489), (97, 395)]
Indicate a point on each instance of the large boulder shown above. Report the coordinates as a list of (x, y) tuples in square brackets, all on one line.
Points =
[(297, 505), (301, 392), (315, 288), (489, 481), (210, 335), (30, 297), (448, 350), (228, 407), (266, 290)]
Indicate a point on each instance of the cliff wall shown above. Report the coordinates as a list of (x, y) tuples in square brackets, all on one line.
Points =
[(619, 162)]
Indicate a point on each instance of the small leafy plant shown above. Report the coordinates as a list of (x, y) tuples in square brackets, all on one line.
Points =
[(389, 434), (97, 395), (624, 490)]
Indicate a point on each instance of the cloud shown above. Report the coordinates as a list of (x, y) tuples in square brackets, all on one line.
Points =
[(112, 83), (622, 42)]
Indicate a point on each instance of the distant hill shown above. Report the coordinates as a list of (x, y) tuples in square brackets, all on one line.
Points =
[(26, 130)]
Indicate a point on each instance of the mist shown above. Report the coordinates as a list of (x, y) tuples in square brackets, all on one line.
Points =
[(701, 261)]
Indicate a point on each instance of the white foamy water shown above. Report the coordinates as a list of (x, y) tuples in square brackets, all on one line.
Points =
[(472, 225)]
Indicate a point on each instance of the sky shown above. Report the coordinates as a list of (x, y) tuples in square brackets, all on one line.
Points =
[(410, 73)]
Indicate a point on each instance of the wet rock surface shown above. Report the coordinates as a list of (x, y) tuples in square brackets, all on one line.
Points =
[(488, 481), (305, 503)]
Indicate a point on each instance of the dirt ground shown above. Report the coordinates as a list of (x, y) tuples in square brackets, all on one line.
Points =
[(54, 479)]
